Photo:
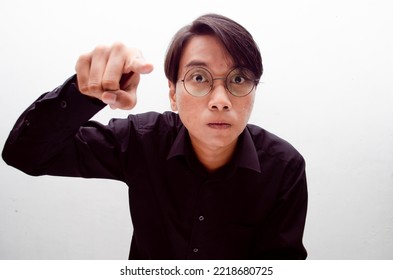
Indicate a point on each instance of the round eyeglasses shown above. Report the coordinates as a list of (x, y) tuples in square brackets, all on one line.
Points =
[(239, 82)]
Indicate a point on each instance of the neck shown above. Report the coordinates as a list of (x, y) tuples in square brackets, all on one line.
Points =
[(214, 158)]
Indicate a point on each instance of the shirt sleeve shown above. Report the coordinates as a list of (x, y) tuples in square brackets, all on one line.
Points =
[(54, 136)]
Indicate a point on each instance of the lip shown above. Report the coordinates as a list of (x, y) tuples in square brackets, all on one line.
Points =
[(219, 125)]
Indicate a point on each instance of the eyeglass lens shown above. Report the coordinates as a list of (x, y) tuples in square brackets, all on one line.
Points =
[(199, 81)]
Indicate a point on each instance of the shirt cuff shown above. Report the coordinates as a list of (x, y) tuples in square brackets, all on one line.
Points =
[(76, 107)]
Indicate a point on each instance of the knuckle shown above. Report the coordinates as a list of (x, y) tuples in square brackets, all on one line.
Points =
[(82, 61), (83, 88), (94, 87), (110, 85), (84, 57), (100, 49), (118, 47)]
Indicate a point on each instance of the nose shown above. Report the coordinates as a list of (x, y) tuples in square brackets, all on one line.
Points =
[(219, 97)]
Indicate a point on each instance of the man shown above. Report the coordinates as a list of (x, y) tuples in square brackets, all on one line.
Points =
[(203, 184)]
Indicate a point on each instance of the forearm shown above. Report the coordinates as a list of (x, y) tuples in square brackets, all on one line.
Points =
[(45, 127)]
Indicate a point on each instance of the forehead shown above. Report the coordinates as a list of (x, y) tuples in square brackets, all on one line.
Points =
[(205, 51)]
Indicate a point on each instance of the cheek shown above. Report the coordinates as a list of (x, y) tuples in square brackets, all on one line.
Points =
[(246, 108), (187, 108), (182, 103), (250, 106)]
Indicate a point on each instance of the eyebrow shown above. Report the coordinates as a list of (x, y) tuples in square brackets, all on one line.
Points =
[(199, 63), (196, 63)]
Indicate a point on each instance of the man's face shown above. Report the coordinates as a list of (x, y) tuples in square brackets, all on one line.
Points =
[(214, 121)]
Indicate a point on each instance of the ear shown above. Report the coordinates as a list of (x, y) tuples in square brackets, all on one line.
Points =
[(172, 95)]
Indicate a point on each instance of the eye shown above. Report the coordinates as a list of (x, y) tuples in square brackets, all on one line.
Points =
[(198, 77), (238, 79), (240, 76)]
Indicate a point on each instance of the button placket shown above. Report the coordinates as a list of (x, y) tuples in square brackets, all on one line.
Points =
[(197, 239)]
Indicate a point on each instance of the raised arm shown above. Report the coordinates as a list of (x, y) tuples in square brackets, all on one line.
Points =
[(54, 136)]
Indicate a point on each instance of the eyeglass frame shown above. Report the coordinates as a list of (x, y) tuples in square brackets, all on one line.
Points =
[(255, 81)]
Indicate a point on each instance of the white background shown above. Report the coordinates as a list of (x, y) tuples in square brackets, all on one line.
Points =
[(327, 89)]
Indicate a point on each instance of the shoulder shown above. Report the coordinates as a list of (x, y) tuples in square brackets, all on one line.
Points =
[(154, 121), (142, 125), (271, 146), (149, 125)]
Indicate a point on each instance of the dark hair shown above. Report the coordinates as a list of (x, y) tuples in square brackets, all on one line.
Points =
[(236, 39)]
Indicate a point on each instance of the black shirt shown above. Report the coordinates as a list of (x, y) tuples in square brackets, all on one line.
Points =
[(252, 208)]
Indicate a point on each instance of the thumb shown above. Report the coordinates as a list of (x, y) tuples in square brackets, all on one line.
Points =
[(120, 99)]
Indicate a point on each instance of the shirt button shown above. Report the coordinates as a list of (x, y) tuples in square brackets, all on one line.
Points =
[(63, 104), (201, 218), (195, 250)]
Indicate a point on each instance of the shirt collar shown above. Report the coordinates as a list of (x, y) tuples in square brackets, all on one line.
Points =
[(246, 155), (179, 146)]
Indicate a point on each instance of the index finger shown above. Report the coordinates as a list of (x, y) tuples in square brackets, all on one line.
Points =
[(123, 61), (137, 63)]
